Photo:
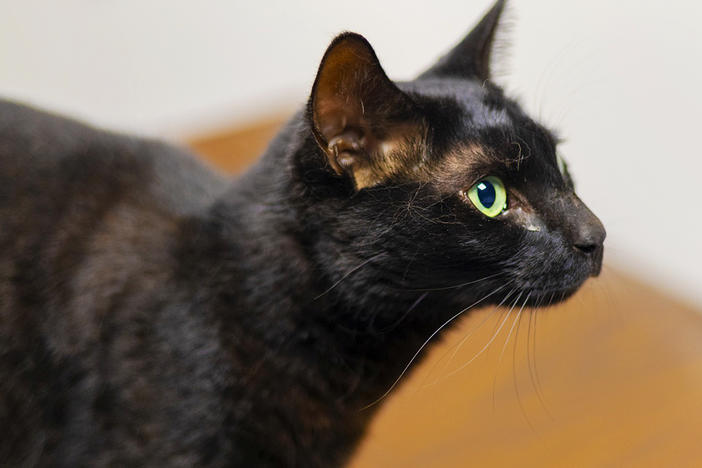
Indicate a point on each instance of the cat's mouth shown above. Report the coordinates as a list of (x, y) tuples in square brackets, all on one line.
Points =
[(552, 287), (545, 293)]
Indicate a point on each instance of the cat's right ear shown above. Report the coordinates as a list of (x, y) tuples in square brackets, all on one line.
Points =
[(470, 58), (359, 117)]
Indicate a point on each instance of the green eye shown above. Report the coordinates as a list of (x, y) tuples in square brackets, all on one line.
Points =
[(489, 196)]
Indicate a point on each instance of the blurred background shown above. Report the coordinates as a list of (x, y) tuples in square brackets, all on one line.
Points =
[(620, 81)]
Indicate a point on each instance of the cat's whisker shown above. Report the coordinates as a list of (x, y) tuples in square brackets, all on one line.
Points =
[(571, 99), (543, 81), (502, 352), (487, 345), (605, 288), (536, 370), (580, 75), (485, 320), (440, 200), (531, 356), (533, 369), (349, 273), (426, 342), (457, 347), (397, 322), (447, 288), (497, 324), (528, 351), (514, 375)]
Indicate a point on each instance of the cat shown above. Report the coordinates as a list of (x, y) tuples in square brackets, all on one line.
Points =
[(155, 313)]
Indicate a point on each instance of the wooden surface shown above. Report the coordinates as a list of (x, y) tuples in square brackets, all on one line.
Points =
[(611, 378)]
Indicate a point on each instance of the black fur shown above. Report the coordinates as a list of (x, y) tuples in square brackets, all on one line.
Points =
[(153, 313)]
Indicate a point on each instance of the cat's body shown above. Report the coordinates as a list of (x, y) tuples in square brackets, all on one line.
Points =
[(133, 330), (153, 313)]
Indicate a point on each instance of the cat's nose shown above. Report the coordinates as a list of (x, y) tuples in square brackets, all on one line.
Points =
[(590, 237), (589, 240)]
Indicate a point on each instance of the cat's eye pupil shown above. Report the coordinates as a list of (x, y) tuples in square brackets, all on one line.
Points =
[(486, 194)]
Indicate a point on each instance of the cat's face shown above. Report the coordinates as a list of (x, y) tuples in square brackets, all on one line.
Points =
[(447, 180)]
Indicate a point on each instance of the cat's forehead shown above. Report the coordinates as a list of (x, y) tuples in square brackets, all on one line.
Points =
[(476, 105), (474, 130), (475, 123)]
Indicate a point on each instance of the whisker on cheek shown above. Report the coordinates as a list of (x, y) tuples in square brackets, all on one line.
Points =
[(487, 345), (397, 322), (458, 346), (456, 286), (514, 376), (531, 359), (502, 352), (426, 342), (349, 273)]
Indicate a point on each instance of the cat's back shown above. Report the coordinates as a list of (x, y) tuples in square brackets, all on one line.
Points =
[(83, 212), (54, 160), (78, 202)]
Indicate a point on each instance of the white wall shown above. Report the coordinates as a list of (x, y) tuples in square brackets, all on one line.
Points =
[(622, 80)]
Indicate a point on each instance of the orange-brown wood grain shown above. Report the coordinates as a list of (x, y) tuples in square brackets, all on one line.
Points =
[(611, 378)]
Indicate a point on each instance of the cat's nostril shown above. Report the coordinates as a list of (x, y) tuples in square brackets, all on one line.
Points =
[(590, 237), (587, 248)]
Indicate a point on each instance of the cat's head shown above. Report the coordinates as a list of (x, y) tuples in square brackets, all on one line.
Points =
[(443, 180)]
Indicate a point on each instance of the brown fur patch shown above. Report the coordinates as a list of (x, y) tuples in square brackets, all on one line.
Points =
[(406, 160), (401, 156), (461, 160)]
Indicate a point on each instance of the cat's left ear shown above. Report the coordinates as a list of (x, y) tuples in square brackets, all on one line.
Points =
[(471, 57), (359, 117)]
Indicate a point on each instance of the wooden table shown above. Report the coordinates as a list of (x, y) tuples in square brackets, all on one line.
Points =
[(611, 378)]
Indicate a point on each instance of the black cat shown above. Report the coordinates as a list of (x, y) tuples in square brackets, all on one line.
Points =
[(153, 313)]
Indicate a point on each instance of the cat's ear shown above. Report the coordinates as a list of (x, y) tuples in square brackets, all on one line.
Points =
[(471, 57), (359, 117)]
